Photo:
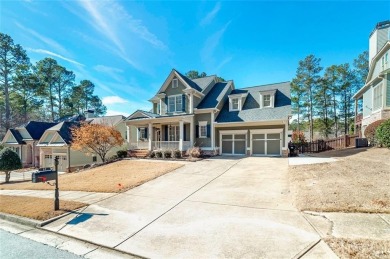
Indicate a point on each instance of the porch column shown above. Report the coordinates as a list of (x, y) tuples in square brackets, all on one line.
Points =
[(191, 108), (356, 114), (128, 134), (181, 134), (150, 133), (160, 106), (212, 131), (286, 135), (192, 132)]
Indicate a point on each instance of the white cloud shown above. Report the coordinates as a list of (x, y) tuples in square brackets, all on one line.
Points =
[(115, 112), (107, 69), (113, 100), (224, 62), (210, 16), (51, 43), (43, 51), (212, 42)]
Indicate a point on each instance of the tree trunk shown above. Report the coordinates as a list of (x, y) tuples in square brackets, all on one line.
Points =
[(7, 104), (7, 176)]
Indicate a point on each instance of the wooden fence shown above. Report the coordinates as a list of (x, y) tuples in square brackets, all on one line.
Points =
[(329, 144)]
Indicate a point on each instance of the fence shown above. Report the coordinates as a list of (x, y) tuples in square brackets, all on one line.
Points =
[(329, 144)]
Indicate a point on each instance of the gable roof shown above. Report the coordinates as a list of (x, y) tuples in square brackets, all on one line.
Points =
[(140, 114), (107, 120), (17, 136), (64, 129), (37, 128), (190, 82), (203, 82), (251, 112), (211, 100)]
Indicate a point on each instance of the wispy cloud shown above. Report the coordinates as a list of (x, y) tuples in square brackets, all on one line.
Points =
[(211, 44), (210, 16), (111, 71), (223, 62), (47, 52), (51, 43), (113, 100)]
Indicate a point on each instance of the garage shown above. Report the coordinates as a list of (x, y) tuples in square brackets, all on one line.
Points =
[(266, 142), (62, 163), (233, 142)]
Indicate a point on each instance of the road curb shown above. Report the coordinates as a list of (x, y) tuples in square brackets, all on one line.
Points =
[(20, 220)]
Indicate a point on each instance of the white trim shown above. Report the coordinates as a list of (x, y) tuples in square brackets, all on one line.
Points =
[(231, 109), (202, 124), (264, 131), (181, 101), (271, 94), (173, 84)]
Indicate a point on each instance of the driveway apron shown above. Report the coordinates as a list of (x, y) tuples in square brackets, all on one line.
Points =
[(214, 208)]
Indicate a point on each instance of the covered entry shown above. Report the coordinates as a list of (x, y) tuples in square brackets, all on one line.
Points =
[(233, 142), (266, 142)]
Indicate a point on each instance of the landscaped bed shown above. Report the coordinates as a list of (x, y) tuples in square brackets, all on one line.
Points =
[(115, 177), (359, 248), (358, 182), (35, 208)]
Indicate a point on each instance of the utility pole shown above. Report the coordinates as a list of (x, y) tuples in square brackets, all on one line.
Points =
[(57, 195)]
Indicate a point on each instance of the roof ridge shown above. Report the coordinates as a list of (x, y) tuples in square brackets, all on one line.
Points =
[(263, 85)]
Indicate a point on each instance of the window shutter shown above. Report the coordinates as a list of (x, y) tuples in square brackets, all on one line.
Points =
[(146, 133), (183, 103), (197, 131), (184, 133), (166, 103), (208, 130), (166, 133)]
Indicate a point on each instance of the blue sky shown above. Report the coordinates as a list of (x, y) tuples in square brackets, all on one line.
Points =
[(128, 48)]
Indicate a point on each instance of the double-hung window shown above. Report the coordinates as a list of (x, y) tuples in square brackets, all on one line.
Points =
[(175, 103), (175, 83), (378, 96), (142, 133), (267, 100), (235, 103), (202, 129)]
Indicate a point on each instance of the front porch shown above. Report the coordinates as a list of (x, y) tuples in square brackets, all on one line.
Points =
[(166, 133)]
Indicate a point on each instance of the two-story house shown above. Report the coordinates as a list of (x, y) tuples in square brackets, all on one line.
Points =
[(375, 94), (215, 116)]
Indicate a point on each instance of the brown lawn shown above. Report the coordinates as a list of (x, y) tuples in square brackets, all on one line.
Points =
[(359, 248), (358, 182), (35, 208), (115, 177)]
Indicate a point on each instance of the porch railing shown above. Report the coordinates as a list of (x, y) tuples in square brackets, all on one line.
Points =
[(160, 145), (139, 145)]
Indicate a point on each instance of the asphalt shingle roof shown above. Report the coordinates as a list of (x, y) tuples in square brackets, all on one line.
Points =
[(108, 120), (203, 82), (64, 129), (191, 83), (37, 128), (210, 100), (251, 111), (17, 136)]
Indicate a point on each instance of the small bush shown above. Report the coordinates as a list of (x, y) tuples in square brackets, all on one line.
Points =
[(383, 134), (152, 154), (370, 132), (176, 153), (167, 154), (158, 154), (113, 158), (9, 161), (194, 152), (121, 153), (298, 137)]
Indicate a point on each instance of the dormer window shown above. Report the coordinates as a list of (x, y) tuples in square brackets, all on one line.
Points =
[(175, 83), (235, 103), (267, 99)]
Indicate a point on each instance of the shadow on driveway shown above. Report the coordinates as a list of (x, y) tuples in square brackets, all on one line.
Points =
[(82, 217)]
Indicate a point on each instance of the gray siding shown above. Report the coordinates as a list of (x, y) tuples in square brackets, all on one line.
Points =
[(367, 102), (202, 142), (383, 37), (388, 90)]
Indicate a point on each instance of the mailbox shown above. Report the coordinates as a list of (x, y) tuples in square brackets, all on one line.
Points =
[(43, 176)]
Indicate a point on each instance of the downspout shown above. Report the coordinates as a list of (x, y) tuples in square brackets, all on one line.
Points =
[(68, 155)]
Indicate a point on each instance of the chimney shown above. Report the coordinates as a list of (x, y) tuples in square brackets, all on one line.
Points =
[(89, 114), (378, 38)]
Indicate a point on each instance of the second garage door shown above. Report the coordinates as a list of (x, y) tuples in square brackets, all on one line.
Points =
[(266, 144)]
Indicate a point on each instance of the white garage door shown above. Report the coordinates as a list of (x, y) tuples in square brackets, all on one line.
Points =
[(266, 144), (48, 161), (62, 163), (233, 144)]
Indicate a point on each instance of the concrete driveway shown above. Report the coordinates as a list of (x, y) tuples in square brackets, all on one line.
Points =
[(215, 208)]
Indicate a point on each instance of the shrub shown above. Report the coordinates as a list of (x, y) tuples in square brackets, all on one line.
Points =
[(167, 154), (176, 153), (9, 161), (370, 132), (194, 152), (158, 154), (121, 153), (383, 134), (298, 137), (152, 154)]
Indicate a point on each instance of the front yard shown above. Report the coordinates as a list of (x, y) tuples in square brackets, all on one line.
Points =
[(358, 182), (115, 177)]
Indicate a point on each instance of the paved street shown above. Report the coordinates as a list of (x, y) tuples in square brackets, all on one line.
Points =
[(15, 246)]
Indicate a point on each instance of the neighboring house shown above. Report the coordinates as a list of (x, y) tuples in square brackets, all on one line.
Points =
[(23, 140), (56, 141), (375, 94), (214, 116)]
